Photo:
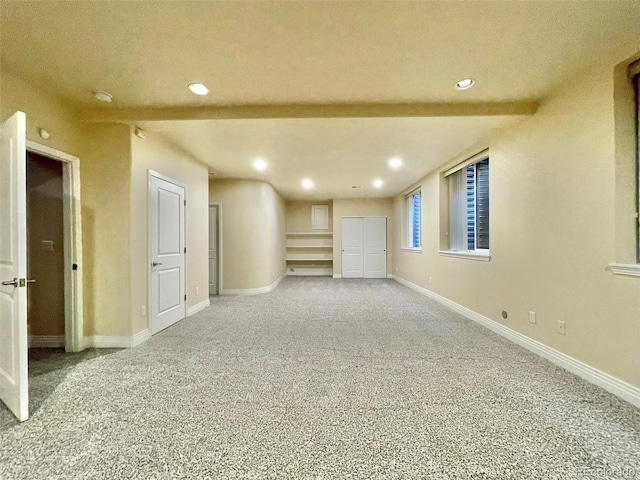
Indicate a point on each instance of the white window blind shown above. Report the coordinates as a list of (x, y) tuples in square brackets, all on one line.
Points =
[(469, 206), (458, 210), (413, 220)]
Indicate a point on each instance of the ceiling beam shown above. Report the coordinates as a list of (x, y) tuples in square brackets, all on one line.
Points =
[(358, 110)]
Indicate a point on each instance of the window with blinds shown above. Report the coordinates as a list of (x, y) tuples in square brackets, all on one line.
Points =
[(469, 205), (413, 219)]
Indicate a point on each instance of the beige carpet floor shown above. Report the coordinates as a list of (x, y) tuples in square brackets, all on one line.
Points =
[(320, 379)]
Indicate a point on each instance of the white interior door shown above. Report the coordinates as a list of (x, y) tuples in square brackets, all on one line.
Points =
[(14, 378), (352, 247), (167, 238), (375, 247), (213, 250)]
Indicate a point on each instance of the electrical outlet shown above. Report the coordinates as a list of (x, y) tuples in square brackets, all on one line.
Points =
[(197, 290), (143, 311), (532, 317), (47, 245), (561, 327)]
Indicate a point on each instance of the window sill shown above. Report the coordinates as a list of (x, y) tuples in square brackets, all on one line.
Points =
[(481, 257), (413, 250), (627, 269)]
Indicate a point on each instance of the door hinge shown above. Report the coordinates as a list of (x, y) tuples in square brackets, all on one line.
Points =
[(185, 298), (185, 249), (185, 203)]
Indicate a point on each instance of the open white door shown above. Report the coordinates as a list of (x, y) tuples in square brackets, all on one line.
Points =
[(14, 378), (167, 232)]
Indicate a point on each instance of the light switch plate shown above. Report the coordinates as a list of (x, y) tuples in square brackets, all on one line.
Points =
[(561, 328)]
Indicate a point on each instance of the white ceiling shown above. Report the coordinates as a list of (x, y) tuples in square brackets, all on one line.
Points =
[(335, 153), (344, 54)]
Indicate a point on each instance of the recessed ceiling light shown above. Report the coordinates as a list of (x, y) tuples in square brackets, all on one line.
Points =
[(307, 184), (260, 164), (395, 163), (198, 88), (103, 96), (378, 183), (465, 83)]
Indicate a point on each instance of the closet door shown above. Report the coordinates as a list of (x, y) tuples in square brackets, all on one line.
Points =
[(352, 247), (375, 247)]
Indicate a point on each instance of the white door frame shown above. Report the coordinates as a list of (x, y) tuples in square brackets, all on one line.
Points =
[(218, 243), (72, 226), (153, 173)]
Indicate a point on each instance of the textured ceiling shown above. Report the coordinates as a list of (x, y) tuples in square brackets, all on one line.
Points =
[(146, 52), (336, 153), (342, 54)]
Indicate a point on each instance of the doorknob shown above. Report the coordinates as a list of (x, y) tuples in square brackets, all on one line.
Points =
[(155, 264), (18, 282)]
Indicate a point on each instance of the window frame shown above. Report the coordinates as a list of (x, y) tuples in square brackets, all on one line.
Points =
[(634, 71), (626, 103), (482, 254), (410, 224)]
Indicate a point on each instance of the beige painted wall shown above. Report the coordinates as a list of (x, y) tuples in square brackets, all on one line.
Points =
[(45, 297), (299, 215), (105, 179), (43, 111), (370, 207), (105, 154), (253, 233), (553, 193), (160, 155)]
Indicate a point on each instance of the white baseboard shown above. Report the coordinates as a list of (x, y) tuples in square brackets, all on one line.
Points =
[(106, 341), (337, 275), (198, 307), (608, 382), (46, 341), (140, 337), (389, 275), (252, 291)]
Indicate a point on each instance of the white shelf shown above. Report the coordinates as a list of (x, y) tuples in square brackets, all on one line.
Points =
[(309, 257), (309, 253), (311, 272), (302, 234)]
